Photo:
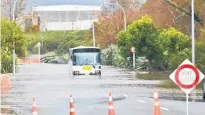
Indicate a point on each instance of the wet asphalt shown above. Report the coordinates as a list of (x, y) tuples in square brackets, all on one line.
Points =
[(51, 85)]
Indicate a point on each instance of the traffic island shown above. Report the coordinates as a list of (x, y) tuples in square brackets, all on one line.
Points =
[(6, 111), (5, 83)]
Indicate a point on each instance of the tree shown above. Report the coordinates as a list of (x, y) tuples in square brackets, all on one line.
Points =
[(173, 41), (200, 55), (7, 8), (202, 34), (111, 21), (160, 47), (143, 35), (175, 47), (174, 13), (184, 7), (11, 33), (72, 39)]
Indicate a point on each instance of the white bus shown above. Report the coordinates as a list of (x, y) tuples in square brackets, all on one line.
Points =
[(85, 60)]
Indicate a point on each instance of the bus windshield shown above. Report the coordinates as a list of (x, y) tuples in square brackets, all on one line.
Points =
[(86, 58)]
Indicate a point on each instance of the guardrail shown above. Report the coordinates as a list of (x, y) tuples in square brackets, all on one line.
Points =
[(48, 58)]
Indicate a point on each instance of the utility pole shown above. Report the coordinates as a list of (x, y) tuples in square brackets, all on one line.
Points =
[(14, 54), (193, 39), (93, 34), (93, 29), (124, 14)]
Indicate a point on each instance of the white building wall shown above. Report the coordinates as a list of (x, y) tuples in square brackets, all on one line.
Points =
[(67, 17)]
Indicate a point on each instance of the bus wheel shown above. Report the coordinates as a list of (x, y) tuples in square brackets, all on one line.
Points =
[(74, 73)]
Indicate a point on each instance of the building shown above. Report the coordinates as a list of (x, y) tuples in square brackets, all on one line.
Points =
[(66, 17)]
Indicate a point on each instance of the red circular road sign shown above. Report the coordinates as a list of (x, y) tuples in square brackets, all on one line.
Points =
[(187, 66)]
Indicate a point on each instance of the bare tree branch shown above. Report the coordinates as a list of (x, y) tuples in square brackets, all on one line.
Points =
[(186, 11), (7, 8)]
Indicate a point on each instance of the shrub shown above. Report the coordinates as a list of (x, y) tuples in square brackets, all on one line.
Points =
[(6, 58), (111, 56)]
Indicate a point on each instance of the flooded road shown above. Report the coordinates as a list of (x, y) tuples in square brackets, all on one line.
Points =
[(51, 85)]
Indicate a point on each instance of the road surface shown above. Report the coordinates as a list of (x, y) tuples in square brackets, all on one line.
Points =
[(51, 85)]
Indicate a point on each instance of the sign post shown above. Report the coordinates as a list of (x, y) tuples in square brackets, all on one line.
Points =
[(187, 104), (187, 77), (38, 45), (133, 53)]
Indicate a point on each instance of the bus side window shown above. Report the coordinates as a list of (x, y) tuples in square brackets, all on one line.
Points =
[(74, 60)]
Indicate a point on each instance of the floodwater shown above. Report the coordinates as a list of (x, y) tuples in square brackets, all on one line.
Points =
[(51, 85)]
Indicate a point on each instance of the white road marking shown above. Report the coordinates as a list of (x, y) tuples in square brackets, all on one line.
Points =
[(163, 108), (125, 95), (141, 101)]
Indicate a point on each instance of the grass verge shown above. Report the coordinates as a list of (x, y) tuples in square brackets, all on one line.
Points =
[(169, 84), (163, 76), (6, 111), (155, 75)]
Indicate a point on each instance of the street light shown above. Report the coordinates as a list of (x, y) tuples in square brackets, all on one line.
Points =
[(124, 15), (14, 54), (93, 29)]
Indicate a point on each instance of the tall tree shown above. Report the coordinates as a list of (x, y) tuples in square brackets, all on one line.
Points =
[(174, 13), (11, 33), (143, 35), (112, 21), (8, 5)]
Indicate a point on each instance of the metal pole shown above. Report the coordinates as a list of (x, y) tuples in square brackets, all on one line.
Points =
[(14, 58), (193, 39), (41, 33), (14, 54), (14, 8), (124, 15), (187, 103), (39, 52), (93, 34), (133, 60)]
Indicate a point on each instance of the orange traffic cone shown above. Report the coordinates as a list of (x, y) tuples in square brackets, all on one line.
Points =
[(34, 108), (156, 103), (72, 109), (111, 110)]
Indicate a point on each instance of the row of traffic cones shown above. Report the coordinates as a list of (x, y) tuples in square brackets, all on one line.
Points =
[(111, 110)]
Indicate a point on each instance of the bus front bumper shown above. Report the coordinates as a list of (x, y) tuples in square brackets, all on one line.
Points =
[(79, 70)]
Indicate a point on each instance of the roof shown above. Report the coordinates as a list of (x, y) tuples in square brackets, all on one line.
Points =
[(67, 8), (83, 47)]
